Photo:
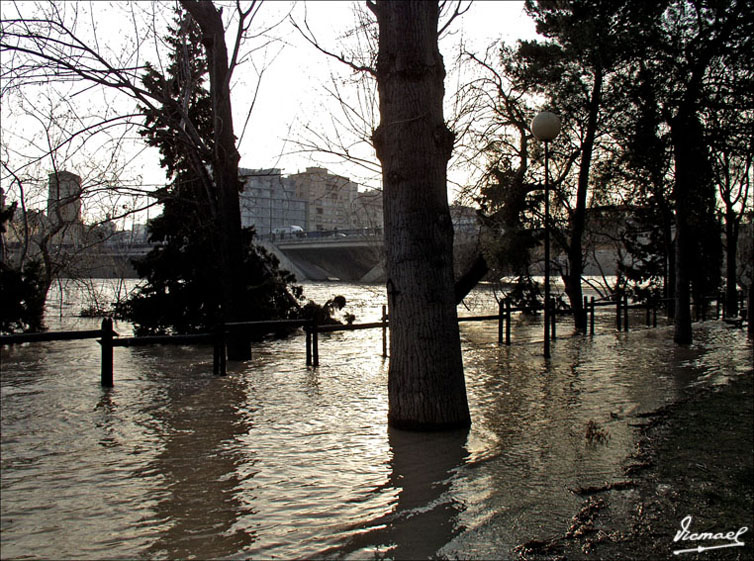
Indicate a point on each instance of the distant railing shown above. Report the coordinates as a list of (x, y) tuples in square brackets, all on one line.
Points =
[(620, 301), (109, 339), (355, 233)]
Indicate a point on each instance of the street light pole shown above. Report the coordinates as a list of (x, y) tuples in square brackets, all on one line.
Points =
[(545, 127), (547, 250)]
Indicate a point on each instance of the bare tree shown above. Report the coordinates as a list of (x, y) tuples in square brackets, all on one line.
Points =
[(352, 114), (413, 144), (497, 140), (426, 383), (730, 122), (66, 241), (734, 174), (52, 46)]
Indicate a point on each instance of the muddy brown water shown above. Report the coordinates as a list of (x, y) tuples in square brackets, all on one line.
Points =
[(280, 460)]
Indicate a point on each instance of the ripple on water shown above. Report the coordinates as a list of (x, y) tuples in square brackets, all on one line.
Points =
[(277, 459)]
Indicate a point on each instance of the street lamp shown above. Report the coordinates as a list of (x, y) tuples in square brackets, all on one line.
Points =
[(546, 126)]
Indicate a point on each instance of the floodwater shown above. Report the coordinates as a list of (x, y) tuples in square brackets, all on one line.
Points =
[(277, 460)]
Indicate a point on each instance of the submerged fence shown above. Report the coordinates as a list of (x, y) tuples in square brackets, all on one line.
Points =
[(108, 338)]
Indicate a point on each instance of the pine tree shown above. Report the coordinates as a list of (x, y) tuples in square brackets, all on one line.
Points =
[(183, 293)]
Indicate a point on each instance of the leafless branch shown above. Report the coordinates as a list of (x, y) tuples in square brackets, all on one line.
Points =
[(310, 38), (458, 11)]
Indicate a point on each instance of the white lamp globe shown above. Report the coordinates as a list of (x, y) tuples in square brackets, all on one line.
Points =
[(545, 126)]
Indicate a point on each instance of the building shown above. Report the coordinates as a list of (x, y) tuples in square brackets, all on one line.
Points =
[(64, 208), (139, 233), (270, 203), (330, 198), (312, 200), (366, 211), (64, 198)]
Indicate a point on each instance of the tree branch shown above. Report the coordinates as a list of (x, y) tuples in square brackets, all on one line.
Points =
[(308, 35)]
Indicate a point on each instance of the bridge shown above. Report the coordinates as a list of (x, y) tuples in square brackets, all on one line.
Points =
[(349, 255), (346, 255)]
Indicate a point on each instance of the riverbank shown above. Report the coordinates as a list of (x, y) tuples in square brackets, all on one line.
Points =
[(694, 457)]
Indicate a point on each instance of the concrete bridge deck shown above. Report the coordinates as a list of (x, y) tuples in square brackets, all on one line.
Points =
[(352, 256)]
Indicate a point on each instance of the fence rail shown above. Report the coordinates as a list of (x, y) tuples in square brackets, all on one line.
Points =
[(145, 340), (109, 339), (19, 338)]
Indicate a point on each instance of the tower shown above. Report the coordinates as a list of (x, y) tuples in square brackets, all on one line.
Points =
[(64, 197)]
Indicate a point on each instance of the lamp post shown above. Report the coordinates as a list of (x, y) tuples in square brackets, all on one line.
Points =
[(545, 127)]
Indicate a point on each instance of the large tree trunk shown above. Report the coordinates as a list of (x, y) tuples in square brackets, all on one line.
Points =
[(731, 239), (683, 238), (668, 287), (572, 280), (692, 181), (682, 300), (750, 309), (224, 173), (426, 384)]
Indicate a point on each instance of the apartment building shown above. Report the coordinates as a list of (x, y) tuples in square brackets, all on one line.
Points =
[(330, 198), (269, 202)]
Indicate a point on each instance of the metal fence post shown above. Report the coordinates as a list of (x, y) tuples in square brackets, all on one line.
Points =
[(106, 343), (308, 331), (384, 331), (219, 356), (625, 312), (585, 313), (618, 299), (315, 342), (500, 317), (553, 318), (591, 319), (507, 321)]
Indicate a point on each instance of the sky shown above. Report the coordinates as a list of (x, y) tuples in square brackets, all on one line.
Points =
[(292, 89), (292, 94)]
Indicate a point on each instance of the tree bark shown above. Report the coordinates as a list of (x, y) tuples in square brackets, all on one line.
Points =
[(669, 281), (691, 178), (426, 383), (471, 278), (731, 246), (750, 309), (225, 160), (682, 301), (572, 280)]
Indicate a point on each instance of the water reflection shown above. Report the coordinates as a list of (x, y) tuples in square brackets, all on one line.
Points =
[(422, 468), (106, 422), (424, 515), (198, 469), (280, 460)]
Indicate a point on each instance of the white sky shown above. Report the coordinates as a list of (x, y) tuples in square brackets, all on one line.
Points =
[(291, 94)]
